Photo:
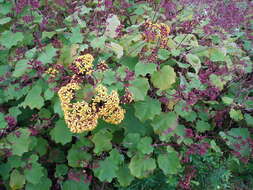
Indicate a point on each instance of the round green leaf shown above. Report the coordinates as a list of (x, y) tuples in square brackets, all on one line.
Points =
[(164, 78)]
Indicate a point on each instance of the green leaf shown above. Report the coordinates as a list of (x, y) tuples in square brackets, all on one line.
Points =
[(5, 20), (3, 123), (31, 53), (9, 39), (202, 126), (214, 146), (237, 136), (17, 180), (194, 61), (236, 114), (44, 184), (143, 69), (147, 109), (77, 158), (135, 48), (129, 62), (14, 111), (145, 145), (47, 55), (216, 54), (112, 23), (60, 133), (109, 77), (131, 140), (116, 157), (102, 140), (34, 98), (15, 161), (72, 185), (48, 34), (21, 68), (239, 132), (106, 170), (34, 174), (217, 81), (98, 42), (164, 78), (57, 107), (139, 88), (169, 163), (188, 115), (6, 8), (164, 121), (41, 146), (141, 166), (163, 54), (61, 170), (21, 143), (140, 10), (116, 48), (227, 100), (49, 94), (76, 36), (124, 176), (249, 119)]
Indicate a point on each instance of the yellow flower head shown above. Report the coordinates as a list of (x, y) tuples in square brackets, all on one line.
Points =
[(78, 116), (52, 71), (164, 29), (82, 116), (114, 116), (66, 93), (84, 64), (107, 105), (155, 32)]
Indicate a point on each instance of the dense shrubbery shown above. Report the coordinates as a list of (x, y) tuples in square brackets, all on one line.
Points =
[(124, 94)]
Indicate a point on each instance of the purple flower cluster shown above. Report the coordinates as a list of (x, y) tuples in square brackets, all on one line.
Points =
[(196, 149), (77, 176), (130, 75), (38, 66), (212, 68), (220, 117), (188, 26), (108, 4), (21, 4), (185, 183), (12, 122), (227, 15), (170, 8), (239, 146)]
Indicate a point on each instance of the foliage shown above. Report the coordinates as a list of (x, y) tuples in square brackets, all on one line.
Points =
[(126, 94)]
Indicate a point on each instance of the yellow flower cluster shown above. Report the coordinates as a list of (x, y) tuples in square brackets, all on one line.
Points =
[(107, 105), (84, 64), (82, 116), (155, 32), (78, 116), (52, 71)]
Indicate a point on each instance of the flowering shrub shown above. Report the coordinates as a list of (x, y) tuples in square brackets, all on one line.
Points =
[(124, 94)]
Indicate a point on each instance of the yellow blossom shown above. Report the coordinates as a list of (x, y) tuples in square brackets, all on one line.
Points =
[(52, 71), (84, 64), (107, 105), (156, 32), (82, 116)]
